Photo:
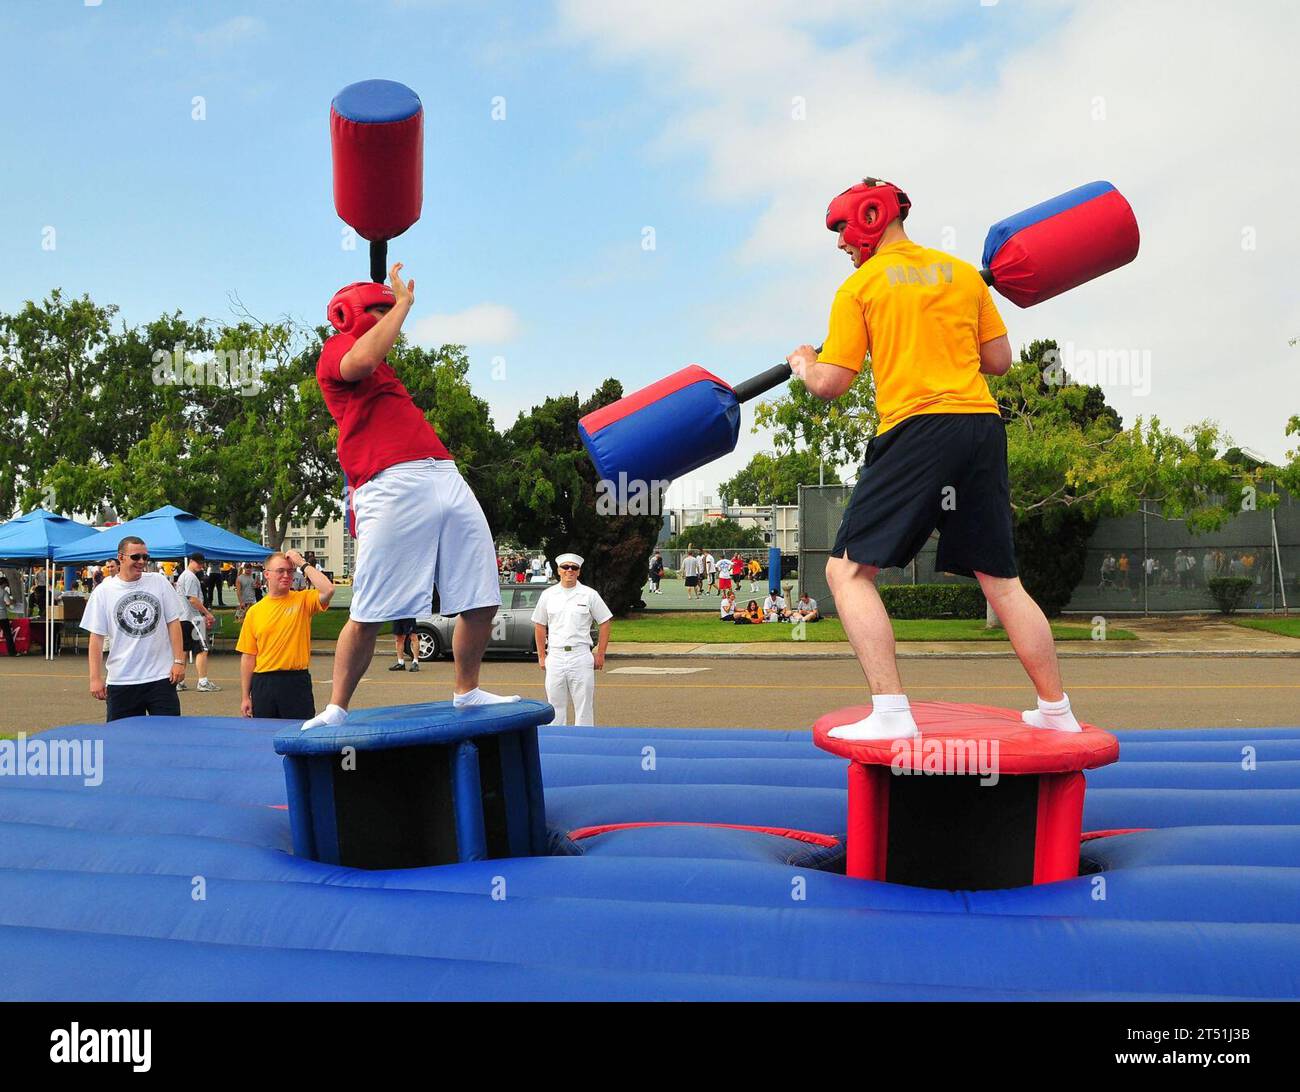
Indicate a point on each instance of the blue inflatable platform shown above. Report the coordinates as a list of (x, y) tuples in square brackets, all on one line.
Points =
[(691, 864)]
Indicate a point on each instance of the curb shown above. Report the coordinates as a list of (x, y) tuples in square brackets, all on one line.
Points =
[(1062, 653)]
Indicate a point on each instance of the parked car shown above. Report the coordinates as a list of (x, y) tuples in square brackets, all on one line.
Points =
[(512, 627)]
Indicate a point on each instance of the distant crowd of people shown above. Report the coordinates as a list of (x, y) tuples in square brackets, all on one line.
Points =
[(703, 574), (518, 568), (780, 607), (1125, 574)]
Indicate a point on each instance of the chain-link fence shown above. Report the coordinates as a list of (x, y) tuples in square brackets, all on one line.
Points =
[(1140, 563)]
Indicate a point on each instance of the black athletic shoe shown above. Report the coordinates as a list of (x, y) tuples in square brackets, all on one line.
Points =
[(399, 666)]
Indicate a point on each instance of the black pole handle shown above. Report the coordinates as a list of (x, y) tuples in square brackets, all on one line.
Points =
[(763, 382), (379, 260), (987, 274)]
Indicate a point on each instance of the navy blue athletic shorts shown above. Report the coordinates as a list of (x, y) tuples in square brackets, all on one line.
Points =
[(944, 471)]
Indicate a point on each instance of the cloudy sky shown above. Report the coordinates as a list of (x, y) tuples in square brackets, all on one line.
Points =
[(180, 153)]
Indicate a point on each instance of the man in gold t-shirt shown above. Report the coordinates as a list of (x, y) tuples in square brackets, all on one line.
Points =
[(276, 641), (939, 456)]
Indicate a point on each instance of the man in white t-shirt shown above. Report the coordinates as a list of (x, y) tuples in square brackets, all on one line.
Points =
[(775, 608), (195, 620), (691, 573), (709, 570), (142, 614), (562, 624)]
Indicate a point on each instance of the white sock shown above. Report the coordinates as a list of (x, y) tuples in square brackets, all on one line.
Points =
[(891, 718), (480, 697), (334, 714), (1056, 715), (203, 681)]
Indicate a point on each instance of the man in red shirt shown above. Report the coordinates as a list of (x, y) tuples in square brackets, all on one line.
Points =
[(417, 523)]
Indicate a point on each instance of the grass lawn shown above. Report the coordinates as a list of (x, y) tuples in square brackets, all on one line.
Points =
[(1287, 627), (324, 626), (695, 628), (699, 628)]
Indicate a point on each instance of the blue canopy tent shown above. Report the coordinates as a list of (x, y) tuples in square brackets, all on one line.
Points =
[(36, 536), (169, 532)]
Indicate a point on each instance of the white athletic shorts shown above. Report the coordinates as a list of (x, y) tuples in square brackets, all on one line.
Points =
[(418, 524)]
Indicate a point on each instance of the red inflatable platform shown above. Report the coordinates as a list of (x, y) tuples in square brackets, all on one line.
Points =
[(977, 800)]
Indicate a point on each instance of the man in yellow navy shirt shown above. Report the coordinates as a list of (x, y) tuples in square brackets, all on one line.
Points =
[(276, 641), (939, 456)]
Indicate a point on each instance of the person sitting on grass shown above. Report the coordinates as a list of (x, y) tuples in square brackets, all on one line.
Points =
[(727, 608), (752, 614), (805, 610), (776, 608)]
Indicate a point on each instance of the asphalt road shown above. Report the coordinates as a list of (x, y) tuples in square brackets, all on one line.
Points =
[(741, 693)]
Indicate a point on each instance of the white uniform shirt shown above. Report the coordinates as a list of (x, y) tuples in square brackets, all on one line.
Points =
[(807, 606), (135, 614), (567, 614), (691, 566), (770, 604), (710, 565)]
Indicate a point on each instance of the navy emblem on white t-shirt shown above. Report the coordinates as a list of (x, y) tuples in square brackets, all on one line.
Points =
[(138, 613)]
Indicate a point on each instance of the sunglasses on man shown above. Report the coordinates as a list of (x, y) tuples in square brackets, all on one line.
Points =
[(570, 568), (138, 557)]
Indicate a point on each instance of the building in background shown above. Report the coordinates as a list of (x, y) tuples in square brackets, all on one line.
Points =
[(329, 540)]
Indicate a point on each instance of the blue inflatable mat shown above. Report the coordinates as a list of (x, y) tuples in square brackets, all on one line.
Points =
[(665, 899)]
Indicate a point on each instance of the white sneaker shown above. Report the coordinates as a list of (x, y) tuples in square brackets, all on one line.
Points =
[(207, 688), (181, 686)]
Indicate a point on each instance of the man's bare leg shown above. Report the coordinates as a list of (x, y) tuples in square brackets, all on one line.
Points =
[(866, 622), (469, 640), (352, 655), (1031, 637)]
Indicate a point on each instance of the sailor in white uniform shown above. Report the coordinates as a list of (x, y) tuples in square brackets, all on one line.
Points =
[(562, 623)]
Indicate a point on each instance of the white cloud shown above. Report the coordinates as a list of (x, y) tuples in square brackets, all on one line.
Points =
[(1198, 132), (233, 32), (484, 323)]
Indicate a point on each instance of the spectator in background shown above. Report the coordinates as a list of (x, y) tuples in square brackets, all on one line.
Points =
[(215, 582), (752, 614), (562, 622), (403, 628), (521, 569), (656, 572), (1122, 566), (805, 610), (195, 621), (245, 591), (7, 609), (754, 569), (727, 607), (141, 612), (1107, 572), (1207, 567), (775, 607), (709, 570), (691, 574), (724, 576), (275, 642)]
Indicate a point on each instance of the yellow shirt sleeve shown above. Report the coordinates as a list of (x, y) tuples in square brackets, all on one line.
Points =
[(311, 600), (247, 642), (990, 322), (846, 342)]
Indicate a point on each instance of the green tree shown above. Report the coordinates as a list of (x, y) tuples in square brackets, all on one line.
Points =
[(835, 432), (775, 479), (717, 534), (1072, 461)]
